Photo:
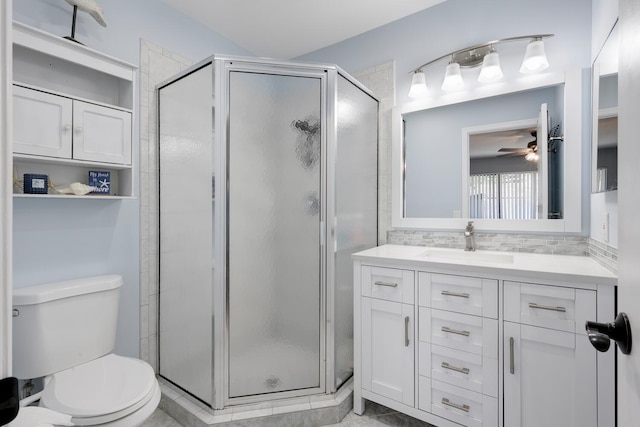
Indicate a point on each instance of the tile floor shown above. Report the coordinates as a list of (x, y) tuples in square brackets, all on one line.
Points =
[(375, 415)]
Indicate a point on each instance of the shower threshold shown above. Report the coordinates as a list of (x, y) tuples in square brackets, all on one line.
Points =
[(315, 410)]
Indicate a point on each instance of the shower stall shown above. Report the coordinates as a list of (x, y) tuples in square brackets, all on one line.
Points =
[(268, 184)]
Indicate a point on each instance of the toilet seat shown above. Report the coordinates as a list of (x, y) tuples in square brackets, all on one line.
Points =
[(101, 390)]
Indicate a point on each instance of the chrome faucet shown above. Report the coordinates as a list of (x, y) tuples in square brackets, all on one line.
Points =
[(470, 244)]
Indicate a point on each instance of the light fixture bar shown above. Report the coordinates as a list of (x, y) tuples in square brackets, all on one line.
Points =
[(476, 53)]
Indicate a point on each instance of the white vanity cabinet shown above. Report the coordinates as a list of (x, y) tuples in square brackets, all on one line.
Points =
[(493, 344), (549, 362), (458, 350), (72, 113), (388, 332)]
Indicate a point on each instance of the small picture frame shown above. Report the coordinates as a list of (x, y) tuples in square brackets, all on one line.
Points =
[(34, 183), (101, 180)]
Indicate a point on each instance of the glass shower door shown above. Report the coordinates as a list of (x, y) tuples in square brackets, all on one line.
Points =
[(274, 249), (186, 232)]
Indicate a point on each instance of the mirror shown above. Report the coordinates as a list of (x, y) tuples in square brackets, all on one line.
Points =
[(605, 116), (445, 151)]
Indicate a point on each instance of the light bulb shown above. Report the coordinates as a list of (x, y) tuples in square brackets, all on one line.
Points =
[(452, 78), (535, 58), (491, 70), (418, 85)]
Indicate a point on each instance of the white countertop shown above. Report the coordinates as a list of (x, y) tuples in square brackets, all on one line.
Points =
[(572, 268)]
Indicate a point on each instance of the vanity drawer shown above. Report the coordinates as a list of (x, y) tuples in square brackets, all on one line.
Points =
[(477, 335), (390, 284), (469, 295), (460, 368), (552, 307), (463, 406)]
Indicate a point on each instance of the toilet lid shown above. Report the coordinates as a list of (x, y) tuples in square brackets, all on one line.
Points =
[(103, 386)]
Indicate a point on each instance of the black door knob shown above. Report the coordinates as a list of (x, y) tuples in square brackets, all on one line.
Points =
[(619, 330)]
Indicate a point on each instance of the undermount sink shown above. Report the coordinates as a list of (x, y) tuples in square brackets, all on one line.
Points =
[(466, 256)]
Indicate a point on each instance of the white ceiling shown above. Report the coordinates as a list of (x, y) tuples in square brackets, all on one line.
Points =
[(285, 29)]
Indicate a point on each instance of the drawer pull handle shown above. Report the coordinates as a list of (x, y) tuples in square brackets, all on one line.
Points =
[(455, 331), (512, 368), (465, 371), (547, 307), (455, 294), (391, 285), (406, 331), (464, 408)]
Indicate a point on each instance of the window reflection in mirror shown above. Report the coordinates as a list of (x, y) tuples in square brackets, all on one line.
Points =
[(498, 177), (605, 116)]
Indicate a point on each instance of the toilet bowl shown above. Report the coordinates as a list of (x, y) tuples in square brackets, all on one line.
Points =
[(109, 391), (65, 332)]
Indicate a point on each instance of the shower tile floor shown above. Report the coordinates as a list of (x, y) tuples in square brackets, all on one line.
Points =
[(374, 415)]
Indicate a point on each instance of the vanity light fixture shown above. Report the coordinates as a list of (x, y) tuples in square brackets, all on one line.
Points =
[(485, 54)]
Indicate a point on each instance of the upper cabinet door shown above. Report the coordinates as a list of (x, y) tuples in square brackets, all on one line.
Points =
[(101, 134), (41, 123)]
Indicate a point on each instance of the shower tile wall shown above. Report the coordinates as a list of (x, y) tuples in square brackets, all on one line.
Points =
[(156, 65)]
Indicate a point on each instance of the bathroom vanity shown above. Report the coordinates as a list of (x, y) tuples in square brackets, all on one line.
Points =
[(482, 338)]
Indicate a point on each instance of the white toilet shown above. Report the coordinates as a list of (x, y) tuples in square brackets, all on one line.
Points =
[(65, 332)]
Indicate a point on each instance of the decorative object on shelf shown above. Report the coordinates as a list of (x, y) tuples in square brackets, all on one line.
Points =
[(77, 188), (101, 180), (89, 6), (485, 54), (34, 183)]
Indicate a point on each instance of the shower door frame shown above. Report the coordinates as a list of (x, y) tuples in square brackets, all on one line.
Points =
[(223, 69)]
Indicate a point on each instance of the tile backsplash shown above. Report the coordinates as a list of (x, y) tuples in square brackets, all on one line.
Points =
[(533, 243), (605, 255)]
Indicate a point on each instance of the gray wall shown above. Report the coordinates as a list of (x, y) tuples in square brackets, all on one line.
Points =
[(62, 239)]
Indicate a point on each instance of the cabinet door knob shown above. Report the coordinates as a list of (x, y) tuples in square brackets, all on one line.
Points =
[(78, 130), (66, 128)]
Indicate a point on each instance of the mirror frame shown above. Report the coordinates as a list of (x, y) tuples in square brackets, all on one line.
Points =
[(599, 69), (572, 176)]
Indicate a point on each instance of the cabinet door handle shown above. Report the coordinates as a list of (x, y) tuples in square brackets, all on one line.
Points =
[(390, 284), (547, 307), (455, 331), (455, 294), (465, 371), (512, 367), (78, 130), (66, 128), (406, 331), (464, 408)]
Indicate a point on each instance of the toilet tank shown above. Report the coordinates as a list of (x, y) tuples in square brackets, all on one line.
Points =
[(63, 324)]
